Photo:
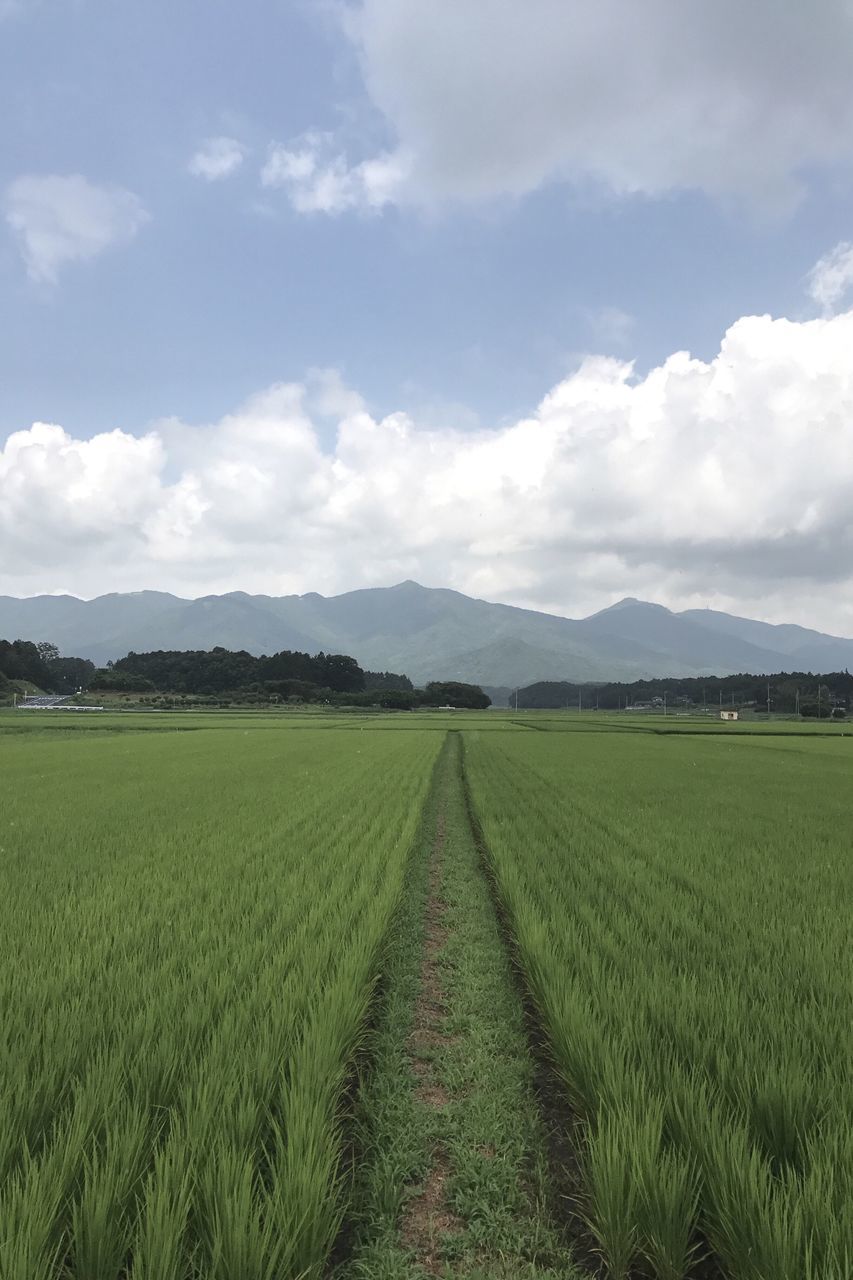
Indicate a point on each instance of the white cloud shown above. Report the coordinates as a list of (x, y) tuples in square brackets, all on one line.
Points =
[(61, 219), (832, 277), (728, 482), (318, 179), (493, 97), (217, 158)]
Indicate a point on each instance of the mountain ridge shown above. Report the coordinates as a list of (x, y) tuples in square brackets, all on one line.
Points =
[(430, 633)]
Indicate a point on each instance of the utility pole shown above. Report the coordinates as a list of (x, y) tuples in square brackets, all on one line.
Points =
[(580, 701), (797, 704), (664, 701), (768, 697), (516, 697), (818, 700)]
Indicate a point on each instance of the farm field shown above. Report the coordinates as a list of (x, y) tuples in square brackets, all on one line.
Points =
[(261, 1019), (190, 931), (678, 910)]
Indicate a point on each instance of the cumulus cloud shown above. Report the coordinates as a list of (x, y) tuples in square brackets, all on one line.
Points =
[(61, 219), (727, 482), (831, 278), (492, 97), (319, 179), (217, 158)]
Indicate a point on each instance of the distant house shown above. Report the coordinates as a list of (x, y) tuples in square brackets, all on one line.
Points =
[(728, 715)]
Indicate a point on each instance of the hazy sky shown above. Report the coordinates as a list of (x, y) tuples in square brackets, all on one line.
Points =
[(545, 301)]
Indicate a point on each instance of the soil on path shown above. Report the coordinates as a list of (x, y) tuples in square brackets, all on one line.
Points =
[(428, 1219)]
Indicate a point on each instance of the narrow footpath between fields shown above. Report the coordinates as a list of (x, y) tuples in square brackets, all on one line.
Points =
[(452, 1172)]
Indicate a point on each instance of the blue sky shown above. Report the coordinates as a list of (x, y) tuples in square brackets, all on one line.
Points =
[(448, 209)]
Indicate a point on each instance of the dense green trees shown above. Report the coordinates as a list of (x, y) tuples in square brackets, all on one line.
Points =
[(70, 674), (386, 680), (21, 660), (222, 670), (441, 693), (223, 673), (289, 675), (40, 664)]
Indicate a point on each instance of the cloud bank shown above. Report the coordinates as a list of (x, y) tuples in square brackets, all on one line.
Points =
[(492, 98), (58, 219), (728, 482)]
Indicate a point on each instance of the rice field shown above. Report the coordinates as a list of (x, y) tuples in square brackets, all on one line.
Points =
[(190, 927), (681, 912), (194, 915)]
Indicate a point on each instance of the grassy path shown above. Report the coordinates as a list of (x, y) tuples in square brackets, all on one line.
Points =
[(452, 1172)]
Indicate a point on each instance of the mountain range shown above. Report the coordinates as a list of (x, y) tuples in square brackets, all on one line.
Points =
[(430, 634)]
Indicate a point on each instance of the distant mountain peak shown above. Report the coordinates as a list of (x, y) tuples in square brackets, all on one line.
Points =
[(629, 602), (430, 634)]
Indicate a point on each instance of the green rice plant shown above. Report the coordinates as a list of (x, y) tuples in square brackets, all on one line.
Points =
[(158, 1242), (31, 1240), (675, 905), (239, 1240), (668, 1204), (189, 938), (781, 1100), (100, 1213), (612, 1209)]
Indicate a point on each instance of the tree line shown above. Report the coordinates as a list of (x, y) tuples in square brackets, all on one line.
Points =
[(288, 675), (229, 675), (789, 692)]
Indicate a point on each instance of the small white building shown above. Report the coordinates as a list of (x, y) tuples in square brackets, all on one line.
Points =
[(728, 715)]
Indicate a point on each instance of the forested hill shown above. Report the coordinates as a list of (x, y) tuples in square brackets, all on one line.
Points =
[(288, 675), (217, 670), (227, 675)]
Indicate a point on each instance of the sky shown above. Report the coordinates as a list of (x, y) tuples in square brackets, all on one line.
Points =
[(551, 303)]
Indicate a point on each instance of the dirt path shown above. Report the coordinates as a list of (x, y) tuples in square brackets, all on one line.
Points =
[(428, 1218), (454, 1180)]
